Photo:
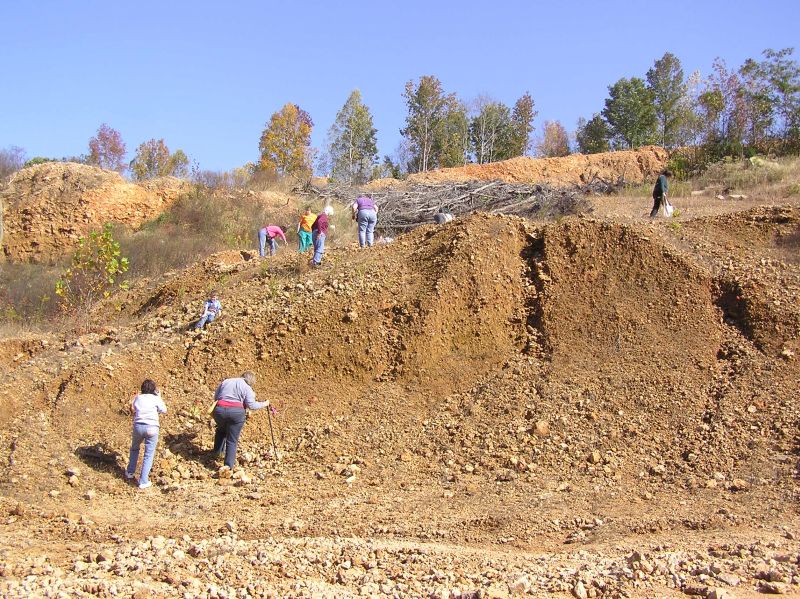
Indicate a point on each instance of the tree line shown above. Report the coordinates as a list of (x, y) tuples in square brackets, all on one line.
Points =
[(731, 112), (752, 109)]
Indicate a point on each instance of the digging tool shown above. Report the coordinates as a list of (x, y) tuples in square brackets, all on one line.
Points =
[(272, 434)]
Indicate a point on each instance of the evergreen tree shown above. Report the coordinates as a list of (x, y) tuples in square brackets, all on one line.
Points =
[(352, 145), (521, 126), (667, 86)]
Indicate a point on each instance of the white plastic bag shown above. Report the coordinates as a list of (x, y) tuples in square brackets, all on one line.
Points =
[(668, 208)]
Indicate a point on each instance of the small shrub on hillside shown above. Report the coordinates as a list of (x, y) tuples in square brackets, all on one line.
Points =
[(38, 160), (95, 270), (792, 190)]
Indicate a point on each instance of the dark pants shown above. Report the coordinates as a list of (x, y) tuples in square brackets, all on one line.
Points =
[(656, 205), (230, 422)]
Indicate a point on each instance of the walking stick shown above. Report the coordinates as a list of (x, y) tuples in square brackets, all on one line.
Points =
[(272, 434)]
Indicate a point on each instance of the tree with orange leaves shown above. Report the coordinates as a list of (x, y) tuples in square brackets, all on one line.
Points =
[(285, 142)]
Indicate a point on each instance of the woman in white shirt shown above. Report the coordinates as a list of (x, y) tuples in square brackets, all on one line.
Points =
[(146, 407)]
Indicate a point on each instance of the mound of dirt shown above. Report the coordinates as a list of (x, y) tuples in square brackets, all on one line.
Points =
[(632, 166), (585, 401), (49, 206)]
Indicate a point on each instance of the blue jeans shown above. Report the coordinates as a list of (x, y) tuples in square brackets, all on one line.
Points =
[(319, 247), (367, 219), (205, 320), (230, 422), (262, 242), (149, 434)]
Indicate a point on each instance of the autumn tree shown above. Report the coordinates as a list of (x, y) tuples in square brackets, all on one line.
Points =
[(11, 160), (352, 144), (285, 143), (428, 109), (630, 113), (153, 159), (519, 141), (107, 150), (783, 74), (723, 110), (555, 140), (592, 135), (667, 86)]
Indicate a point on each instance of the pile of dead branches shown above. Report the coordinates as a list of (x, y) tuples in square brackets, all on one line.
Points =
[(409, 206)]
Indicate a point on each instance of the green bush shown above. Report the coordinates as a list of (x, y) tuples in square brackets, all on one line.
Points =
[(95, 270)]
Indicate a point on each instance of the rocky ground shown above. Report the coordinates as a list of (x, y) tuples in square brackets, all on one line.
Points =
[(598, 407)]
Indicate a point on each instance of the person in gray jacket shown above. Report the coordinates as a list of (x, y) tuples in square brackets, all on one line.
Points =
[(146, 407), (232, 397)]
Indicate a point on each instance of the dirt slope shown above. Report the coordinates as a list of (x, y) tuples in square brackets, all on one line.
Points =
[(49, 206), (484, 408), (634, 166)]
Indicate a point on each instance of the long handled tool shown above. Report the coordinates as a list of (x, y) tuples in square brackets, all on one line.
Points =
[(272, 434)]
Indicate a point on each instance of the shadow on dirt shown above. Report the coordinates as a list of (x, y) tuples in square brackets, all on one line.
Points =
[(101, 458), (729, 299), (185, 446)]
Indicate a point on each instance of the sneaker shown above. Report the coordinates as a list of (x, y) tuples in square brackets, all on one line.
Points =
[(146, 485), (128, 476)]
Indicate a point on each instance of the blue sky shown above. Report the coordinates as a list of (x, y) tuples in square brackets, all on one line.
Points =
[(206, 76)]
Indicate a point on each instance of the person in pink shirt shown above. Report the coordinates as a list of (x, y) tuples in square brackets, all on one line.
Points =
[(270, 232)]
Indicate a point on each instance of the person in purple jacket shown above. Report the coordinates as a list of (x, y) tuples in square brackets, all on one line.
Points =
[(319, 231), (365, 213), (146, 408)]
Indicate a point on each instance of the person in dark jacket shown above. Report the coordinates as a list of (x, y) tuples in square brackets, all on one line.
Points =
[(660, 192), (319, 231), (232, 397)]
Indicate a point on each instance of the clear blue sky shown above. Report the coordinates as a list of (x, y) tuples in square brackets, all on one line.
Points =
[(206, 76)]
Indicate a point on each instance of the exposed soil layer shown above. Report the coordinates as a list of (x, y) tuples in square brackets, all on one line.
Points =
[(484, 408), (631, 166), (49, 206)]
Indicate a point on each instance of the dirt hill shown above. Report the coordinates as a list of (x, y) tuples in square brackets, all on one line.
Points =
[(485, 408), (634, 166), (49, 206)]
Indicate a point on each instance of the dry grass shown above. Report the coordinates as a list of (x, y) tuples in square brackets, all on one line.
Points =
[(780, 177), (776, 182), (27, 294)]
